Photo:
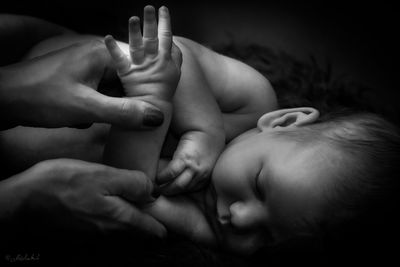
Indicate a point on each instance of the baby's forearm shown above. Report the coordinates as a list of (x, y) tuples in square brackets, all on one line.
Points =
[(195, 106), (138, 150)]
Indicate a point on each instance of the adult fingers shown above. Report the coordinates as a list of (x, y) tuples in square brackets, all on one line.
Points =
[(173, 170), (121, 61), (131, 216), (133, 186), (122, 111), (150, 39), (135, 41), (164, 30)]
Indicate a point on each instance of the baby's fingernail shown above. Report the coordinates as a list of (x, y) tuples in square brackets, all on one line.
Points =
[(152, 117)]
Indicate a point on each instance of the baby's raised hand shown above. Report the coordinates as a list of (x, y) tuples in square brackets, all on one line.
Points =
[(152, 68)]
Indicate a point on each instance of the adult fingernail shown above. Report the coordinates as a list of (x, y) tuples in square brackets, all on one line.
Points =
[(156, 191), (153, 117)]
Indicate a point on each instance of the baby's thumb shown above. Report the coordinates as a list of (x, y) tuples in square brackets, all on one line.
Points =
[(125, 112)]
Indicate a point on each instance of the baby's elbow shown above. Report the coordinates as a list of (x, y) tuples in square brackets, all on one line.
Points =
[(270, 99), (262, 98)]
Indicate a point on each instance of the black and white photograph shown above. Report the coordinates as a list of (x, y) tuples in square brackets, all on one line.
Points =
[(199, 133)]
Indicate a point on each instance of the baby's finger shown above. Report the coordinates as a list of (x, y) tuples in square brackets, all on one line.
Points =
[(135, 41), (121, 61), (150, 39), (164, 29), (180, 184), (173, 170)]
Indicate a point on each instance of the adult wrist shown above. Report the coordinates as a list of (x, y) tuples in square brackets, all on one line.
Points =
[(7, 120), (13, 195)]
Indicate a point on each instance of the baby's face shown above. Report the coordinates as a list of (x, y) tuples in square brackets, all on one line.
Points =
[(264, 186)]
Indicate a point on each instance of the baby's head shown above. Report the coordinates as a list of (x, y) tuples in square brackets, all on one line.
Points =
[(297, 173)]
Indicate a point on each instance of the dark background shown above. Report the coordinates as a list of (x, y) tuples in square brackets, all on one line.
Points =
[(359, 38)]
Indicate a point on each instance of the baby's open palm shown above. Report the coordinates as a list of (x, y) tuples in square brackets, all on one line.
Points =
[(152, 67)]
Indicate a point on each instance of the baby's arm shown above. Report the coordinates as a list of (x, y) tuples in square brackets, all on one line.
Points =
[(242, 93), (197, 122), (150, 74), (215, 95)]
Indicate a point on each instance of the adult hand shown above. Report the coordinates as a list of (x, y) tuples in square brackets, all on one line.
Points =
[(81, 192), (59, 89)]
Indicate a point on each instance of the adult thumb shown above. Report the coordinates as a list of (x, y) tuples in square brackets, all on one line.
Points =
[(126, 112)]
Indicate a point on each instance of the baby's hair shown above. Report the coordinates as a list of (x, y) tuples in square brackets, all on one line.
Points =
[(361, 205)]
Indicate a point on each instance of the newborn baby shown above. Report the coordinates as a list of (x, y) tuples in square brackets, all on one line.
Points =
[(290, 174)]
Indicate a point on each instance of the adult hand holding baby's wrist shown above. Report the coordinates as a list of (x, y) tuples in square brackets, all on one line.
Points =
[(59, 89)]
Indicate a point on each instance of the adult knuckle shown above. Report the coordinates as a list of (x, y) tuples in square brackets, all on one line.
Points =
[(144, 184), (130, 111), (124, 110)]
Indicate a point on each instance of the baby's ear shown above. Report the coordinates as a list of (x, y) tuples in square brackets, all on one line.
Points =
[(287, 118)]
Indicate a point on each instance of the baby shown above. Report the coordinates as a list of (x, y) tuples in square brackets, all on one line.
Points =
[(289, 173), (287, 176)]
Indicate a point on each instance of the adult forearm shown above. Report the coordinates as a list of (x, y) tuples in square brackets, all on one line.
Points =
[(19, 33), (12, 196)]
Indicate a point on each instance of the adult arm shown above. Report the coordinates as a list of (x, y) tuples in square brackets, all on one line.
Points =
[(19, 33)]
